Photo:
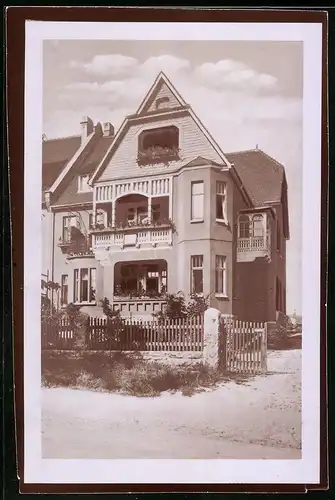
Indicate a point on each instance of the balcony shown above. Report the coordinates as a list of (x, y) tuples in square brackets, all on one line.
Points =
[(249, 249), (74, 247), (136, 236)]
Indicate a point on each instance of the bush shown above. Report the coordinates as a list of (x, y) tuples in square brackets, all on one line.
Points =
[(126, 374), (177, 307)]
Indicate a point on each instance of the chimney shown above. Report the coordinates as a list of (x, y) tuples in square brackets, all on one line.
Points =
[(87, 127), (108, 129)]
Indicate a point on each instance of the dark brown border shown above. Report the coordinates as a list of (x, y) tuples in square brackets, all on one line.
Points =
[(16, 17)]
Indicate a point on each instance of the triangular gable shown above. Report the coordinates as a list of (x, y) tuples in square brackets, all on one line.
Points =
[(162, 95), (160, 85)]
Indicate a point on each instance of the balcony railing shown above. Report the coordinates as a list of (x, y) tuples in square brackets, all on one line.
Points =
[(250, 248), (134, 235), (138, 307), (135, 238), (76, 247)]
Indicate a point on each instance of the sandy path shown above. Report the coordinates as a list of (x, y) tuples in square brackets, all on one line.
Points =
[(260, 419)]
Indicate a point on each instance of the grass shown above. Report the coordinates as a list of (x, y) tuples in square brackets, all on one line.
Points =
[(127, 374)]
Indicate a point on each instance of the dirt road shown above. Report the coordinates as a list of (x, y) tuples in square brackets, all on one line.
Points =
[(259, 419)]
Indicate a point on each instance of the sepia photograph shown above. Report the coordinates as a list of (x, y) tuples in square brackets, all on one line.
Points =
[(167, 281)]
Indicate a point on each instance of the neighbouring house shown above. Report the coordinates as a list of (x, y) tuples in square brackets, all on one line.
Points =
[(159, 207)]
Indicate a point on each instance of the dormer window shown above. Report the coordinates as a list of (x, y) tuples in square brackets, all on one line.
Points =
[(158, 145), (83, 186)]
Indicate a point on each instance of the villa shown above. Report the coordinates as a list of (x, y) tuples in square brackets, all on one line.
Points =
[(157, 207)]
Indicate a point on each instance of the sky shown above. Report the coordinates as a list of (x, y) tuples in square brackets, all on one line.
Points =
[(245, 93)]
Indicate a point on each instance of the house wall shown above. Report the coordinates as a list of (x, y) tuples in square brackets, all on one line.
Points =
[(65, 265)]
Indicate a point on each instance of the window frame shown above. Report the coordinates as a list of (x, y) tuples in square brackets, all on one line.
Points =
[(194, 196), (67, 228), (143, 154), (223, 270), (224, 219), (257, 218), (78, 285), (63, 287), (197, 268), (87, 188)]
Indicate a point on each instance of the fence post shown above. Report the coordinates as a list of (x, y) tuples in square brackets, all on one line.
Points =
[(211, 337), (264, 348)]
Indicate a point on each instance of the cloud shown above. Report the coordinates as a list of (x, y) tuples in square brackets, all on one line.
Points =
[(233, 74), (107, 64), (166, 63)]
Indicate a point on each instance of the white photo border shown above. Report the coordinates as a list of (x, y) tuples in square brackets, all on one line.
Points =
[(49, 471)]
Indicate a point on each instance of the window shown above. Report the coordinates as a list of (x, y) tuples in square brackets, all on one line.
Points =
[(83, 186), (197, 273), (162, 102), (221, 201), (244, 226), (156, 145), (220, 275), (197, 201), (93, 285), (257, 226), (64, 289), (68, 223), (156, 213), (84, 285), (137, 214)]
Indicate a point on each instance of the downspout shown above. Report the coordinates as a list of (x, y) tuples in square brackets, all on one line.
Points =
[(53, 257)]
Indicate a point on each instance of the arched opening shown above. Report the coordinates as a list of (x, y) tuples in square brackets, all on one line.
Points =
[(140, 279), (131, 209), (258, 225), (136, 210), (244, 226)]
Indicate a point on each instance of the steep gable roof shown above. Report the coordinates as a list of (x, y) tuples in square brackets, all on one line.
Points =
[(162, 88), (56, 153), (145, 105), (263, 178), (70, 193)]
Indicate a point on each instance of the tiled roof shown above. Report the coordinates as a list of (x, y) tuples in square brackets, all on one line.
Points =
[(261, 175), (70, 192), (200, 160), (55, 155)]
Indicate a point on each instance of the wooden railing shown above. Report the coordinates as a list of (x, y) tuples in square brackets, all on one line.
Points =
[(135, 237)]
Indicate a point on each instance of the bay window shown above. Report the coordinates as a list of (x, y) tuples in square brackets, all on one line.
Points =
[(197, 201), (197, 271), (221, 201), (220, 275)]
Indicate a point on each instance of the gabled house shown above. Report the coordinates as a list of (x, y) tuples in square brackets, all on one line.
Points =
[(159, 207)]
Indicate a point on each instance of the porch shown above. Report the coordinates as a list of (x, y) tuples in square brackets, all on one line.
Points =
[(140, 287)]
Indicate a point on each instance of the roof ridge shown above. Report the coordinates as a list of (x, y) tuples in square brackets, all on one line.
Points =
[(254, 151), (62, 138)]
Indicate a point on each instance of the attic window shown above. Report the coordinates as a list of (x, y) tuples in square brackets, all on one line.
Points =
[(83, 186), (158, 145), (162, 102)]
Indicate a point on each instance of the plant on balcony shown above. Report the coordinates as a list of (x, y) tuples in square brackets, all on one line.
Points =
[(157, 154)]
